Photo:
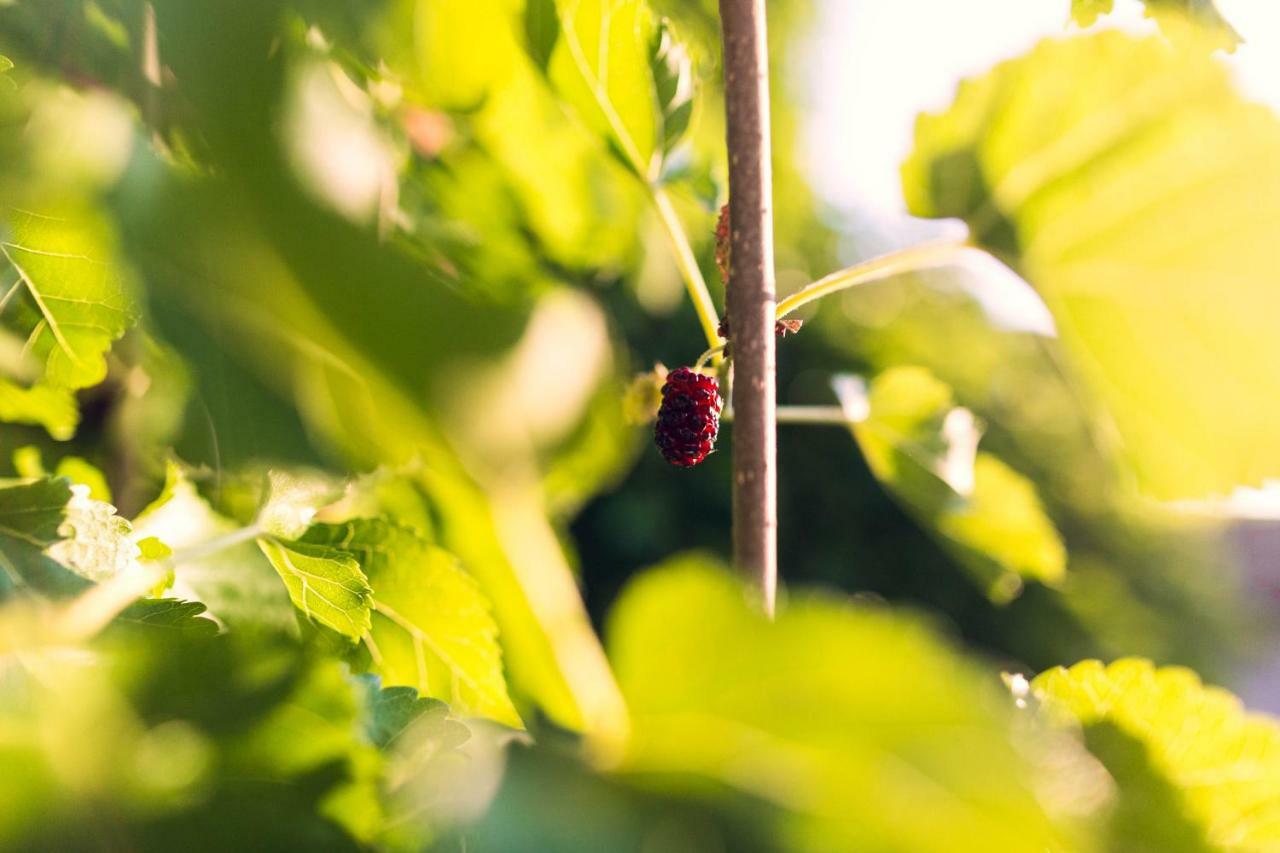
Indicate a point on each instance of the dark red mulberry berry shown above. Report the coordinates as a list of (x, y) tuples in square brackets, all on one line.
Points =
[(689, 418)]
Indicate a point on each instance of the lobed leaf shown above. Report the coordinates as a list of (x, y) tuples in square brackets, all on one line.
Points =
[(326, 584), (1135, 188), (1194, 770), (432, 627), (61, 295), (1174, 14)]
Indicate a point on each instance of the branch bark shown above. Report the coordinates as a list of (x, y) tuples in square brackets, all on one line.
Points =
[(751, 294)]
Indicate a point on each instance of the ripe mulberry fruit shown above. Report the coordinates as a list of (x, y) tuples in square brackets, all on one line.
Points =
[(689, 418)]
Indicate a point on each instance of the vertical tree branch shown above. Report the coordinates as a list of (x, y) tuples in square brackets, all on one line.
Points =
[(751, 297)]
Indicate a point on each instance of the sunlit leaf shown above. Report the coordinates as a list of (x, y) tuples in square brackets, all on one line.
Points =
[(1085, 12), (1137, 191), (622, 70), (465, 49), (1173, 14), (326, 584), (924, 449), (214, 562), (432, 627), (43, 405), (1194, 770), (61, 294), (901, 745)]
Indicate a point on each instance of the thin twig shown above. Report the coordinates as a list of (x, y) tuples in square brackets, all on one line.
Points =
[(694, 283), (913, 259), (751, 294)]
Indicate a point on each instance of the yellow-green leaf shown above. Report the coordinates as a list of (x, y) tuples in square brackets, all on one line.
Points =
[(1194, 770), (924, 449), (859, 725), (324, 583), (626, 76), (432, 627), (59, 291), (1135, 188)]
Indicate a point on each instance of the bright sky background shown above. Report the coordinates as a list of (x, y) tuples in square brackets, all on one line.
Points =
[(876, 64)]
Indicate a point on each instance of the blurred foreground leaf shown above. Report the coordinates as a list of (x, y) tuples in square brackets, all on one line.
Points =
[(1171, 13), (900, 745)]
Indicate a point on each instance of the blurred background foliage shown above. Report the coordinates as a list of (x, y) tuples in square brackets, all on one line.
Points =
[(354, 291)]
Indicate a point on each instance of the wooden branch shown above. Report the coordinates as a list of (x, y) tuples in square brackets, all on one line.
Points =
[(751, 294)]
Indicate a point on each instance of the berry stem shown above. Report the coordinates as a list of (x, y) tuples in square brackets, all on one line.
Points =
[(694, 283), (708, 355), (914, 259), (751, 295)]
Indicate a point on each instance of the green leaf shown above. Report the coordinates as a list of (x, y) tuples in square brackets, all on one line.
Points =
[(41, 405), (1194, 770), (1129, 182), (5, 63), (214, 562), (542, 31), (1172, 14), (58, 291), (432, 627), (627, 77), (924, 450), (860, 725), (392, 710), (31, 520), (324, 583), (169, 614), (465, 49), (673, 84), (1085, 12), (85, 473)]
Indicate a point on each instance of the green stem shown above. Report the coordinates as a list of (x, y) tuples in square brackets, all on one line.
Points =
[(213, 546), (715, 352), (914, 259), (820, 415), (688, 264)]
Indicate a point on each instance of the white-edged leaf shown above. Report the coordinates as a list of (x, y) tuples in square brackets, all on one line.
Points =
[(94, 542)]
